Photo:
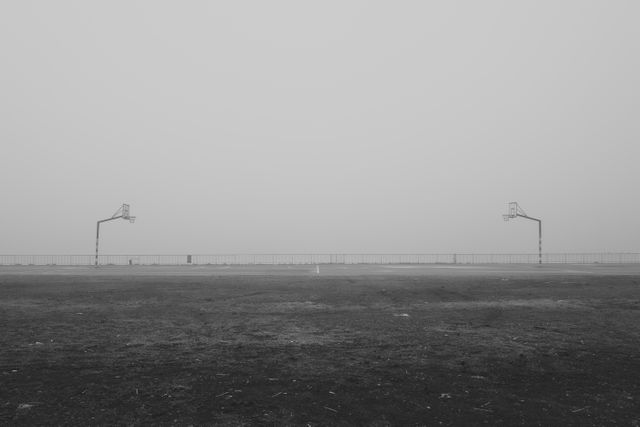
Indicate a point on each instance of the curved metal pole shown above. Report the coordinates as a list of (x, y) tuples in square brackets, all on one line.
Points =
[(98, 234), (539, 235)]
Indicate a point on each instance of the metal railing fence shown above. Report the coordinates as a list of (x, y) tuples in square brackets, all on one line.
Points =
[(301, 259)]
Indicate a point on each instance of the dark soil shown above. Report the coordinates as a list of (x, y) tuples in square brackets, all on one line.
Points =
[(79, 350)]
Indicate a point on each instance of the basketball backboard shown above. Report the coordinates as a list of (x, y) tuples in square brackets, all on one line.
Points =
[(512, 211)]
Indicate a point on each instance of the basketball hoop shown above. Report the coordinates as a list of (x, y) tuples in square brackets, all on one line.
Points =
[(516, 211), (124, 212), (513, 211)]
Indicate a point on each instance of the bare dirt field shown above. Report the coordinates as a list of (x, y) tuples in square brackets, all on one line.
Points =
[(320, 345)]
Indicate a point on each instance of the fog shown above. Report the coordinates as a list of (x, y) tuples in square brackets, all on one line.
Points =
[(334, 126)]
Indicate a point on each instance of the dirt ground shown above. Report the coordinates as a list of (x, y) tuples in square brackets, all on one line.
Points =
[(288, 349)]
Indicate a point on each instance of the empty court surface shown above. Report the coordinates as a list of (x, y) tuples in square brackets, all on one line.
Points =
[(333, 270), (316, 345)]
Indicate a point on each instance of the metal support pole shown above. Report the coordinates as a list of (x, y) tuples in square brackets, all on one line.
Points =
[(97, 240), (539, 235), (516, 211), (98, 233)]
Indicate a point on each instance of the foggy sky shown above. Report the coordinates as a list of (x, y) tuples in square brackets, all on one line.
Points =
[(333, 126)]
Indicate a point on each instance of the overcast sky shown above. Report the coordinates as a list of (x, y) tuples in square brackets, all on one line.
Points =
[(326, 126)]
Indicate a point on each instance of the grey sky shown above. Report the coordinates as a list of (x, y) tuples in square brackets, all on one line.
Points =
[(333, 126)]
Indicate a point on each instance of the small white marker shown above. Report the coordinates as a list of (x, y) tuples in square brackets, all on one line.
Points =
[(317, 269)]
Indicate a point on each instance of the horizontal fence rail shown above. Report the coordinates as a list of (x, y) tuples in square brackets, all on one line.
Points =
[(301, 259)]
